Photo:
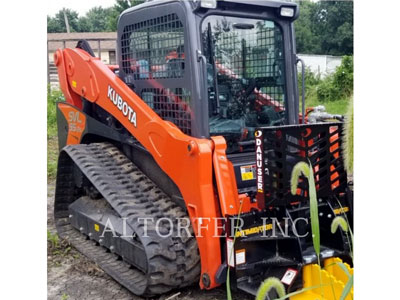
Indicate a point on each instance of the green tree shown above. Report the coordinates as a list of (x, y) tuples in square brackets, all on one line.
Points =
[(95, 20), (325, 27), (334, 26), (53, 25), (117, 9), (306, 40), (84, 25), (57, 23)]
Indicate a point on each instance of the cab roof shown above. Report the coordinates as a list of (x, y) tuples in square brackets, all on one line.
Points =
[(194, 3)]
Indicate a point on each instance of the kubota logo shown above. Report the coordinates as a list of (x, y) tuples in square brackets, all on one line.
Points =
[(122, 105)]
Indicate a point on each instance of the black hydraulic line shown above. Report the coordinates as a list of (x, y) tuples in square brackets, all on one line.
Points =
[(84, 45)]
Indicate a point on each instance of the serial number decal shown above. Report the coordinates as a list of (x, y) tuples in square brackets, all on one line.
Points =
[(122, 105)]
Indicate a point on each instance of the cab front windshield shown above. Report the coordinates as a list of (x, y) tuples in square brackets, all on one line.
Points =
[(245, 77)]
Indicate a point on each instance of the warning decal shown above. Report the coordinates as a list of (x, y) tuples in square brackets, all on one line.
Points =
[(248, 172), (240, 256), (289, 276), (229, 250)]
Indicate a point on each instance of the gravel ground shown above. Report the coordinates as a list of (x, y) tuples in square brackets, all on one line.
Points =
[(71, 276)]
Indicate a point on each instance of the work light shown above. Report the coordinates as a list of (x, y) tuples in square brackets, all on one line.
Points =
[(287, 12), (208, 3)]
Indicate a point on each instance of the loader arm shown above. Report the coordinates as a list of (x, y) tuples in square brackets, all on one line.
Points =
[(186, 160)]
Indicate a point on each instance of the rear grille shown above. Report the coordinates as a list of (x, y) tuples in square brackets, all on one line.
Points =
[(279, 149), (154, 49), (171, 105)]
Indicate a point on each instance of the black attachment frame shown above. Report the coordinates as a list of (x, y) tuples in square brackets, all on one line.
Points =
[(279, 149)]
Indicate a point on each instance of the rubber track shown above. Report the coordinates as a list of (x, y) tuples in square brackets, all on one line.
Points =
[(172, 262)]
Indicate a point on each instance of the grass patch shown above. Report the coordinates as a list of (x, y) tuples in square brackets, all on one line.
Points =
[(339, 106), (333, 107), (52, 156), (56, 246), (59, 251), (52, 239), (348, 139), (53, 96), (64, 297)]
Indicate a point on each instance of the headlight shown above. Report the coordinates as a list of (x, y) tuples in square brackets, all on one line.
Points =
[(208, 3), (287, 12)]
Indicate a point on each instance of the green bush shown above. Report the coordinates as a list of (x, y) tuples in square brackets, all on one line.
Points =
[(338, 85), (311, 81), (310, 78), (333, 91), (348, 145), (343, 77), (53, 96), (326, 90)]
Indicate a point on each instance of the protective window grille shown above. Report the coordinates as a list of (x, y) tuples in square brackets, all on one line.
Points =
[(252, 54), (154, 48), (171, 105)]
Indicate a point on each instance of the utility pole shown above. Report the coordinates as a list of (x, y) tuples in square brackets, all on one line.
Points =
[(66, 21)]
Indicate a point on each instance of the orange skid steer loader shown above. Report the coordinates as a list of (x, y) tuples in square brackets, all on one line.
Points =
[(175, 164)]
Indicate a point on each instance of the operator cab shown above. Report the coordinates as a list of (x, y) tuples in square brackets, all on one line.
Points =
[(213, 67)]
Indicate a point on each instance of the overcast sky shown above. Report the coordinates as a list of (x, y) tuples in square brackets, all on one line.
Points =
[(81, 6)]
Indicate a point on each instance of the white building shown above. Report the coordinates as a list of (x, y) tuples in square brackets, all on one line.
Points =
[(106, 41), (321, 65)]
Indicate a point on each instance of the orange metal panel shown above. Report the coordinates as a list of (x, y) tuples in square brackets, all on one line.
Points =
[(225, 178), (76, 123), (187, 160), (72, 98)]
